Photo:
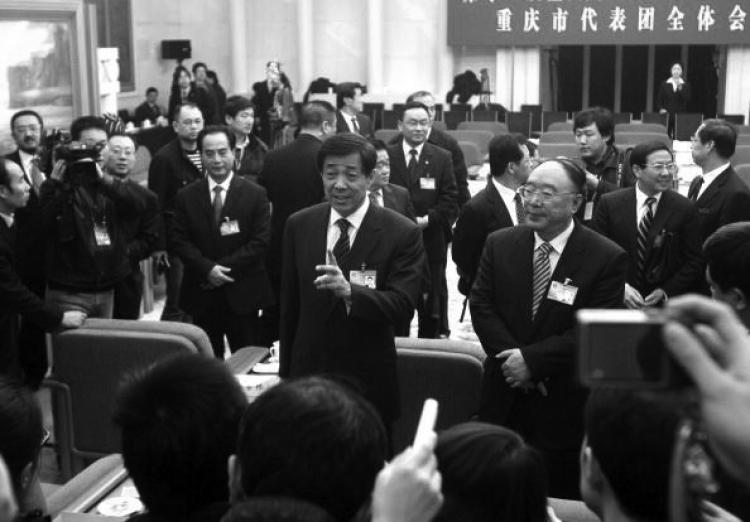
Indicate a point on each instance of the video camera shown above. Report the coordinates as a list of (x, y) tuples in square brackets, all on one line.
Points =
[(80, 161)]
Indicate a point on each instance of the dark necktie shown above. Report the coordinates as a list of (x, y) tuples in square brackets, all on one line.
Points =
[(520, 215), (412, 166), (238, 157), (542, 275), (355, 124), (341, 248), (642, 239), (217, 203), (374, 198), (695, 188)]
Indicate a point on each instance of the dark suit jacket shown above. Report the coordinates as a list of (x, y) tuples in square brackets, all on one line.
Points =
[(15, 299), (292, 180), (365, 125), (439, 204), (397, 198), (501, 314), (251, 164), (169, 171), (671, 100), (146, 112), (726, 200), (202, 98), (144, 232), (673, 252), (316, 333), (481, 216), (199, 244)]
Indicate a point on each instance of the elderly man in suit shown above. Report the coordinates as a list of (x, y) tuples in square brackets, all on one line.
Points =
[(222, 225), (656, 226), (425, 170), (349, 116), (351, 272), (532, 279)]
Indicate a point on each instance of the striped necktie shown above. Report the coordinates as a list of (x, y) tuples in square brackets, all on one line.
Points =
[(342, 246), (542, 275), (642, 239), (520, 215)]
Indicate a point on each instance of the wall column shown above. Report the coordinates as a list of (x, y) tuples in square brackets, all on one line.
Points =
[(375, 46), (444, 69), (238, 27), (306, 42), (737, 96)]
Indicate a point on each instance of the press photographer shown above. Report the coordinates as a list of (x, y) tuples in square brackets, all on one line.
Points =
[(83, 210)]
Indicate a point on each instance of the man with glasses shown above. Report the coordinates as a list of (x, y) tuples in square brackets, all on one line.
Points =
[(382, 192), (531, 281), (425, 170), (656, 226)]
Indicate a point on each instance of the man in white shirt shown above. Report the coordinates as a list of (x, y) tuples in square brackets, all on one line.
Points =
[(349, 117)]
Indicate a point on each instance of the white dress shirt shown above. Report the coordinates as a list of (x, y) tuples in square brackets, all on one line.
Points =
[(710, 176), (355, 222), (508, 196), (224, 185), (407, 149), (557, 244), (640, 204)]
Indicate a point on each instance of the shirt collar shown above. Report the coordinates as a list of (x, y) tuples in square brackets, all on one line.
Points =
[(557, 243), (224, 184), (26, 159), (641, 197), (407, 148), (354, 219), (711, 175), (505, 192), (8, 218)]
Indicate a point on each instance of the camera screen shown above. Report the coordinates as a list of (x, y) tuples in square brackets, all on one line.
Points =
[(624, 354)]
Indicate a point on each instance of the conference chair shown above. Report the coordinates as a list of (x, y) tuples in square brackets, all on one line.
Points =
[(640, 127), (373, 110), (82, 492), (453, 118), (655, 117), (386, 135), (557, 137), (737, 119), (743, 139), (553, 150), (631, 139), (484, 116), (390, 119), (536, 116), (88, 364), (481, 138), (519, 122), (685, 124), (464, 107), (473, 158), (550, 117), (439, 125), (743, 171), (495, 127), (622, 117), (556, 126), (438, 111), (741, 155), (743, 129), (446, 370), (398, 108)]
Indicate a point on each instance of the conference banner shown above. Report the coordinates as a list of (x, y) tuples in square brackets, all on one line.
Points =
[(598, 22)]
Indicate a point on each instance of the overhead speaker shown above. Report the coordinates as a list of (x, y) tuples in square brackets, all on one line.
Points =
[(175, 49)]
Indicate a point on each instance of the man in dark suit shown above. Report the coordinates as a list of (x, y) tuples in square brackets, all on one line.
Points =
[(149, 109), (720, 195), (531, 281), (173, 167), (349, 116), (656, 226), (15, 297), (382, 192), (498, 205), (352, 271), (221, 231), (292, 181), (249, 151), (425, 170)]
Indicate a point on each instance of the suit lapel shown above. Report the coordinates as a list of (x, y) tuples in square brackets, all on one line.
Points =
[(714, 188), (424, 166), (389, 200), (316, 252), (497, 205), (368, 237), (231, 200), (205, 201), (626, 218), (567, 266), (398, 166), (524, 265)]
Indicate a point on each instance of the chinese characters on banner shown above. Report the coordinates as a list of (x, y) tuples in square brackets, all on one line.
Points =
[(581, 22)]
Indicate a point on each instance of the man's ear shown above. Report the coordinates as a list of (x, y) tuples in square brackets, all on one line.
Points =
[(739, 299), (234, 474), (590, 470), (228, 119)]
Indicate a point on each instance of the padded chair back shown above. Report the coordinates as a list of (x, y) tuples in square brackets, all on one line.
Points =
[(685, 124), (743, 171), (536, 116), (519, 122), (557, 137), (743, 139), (373, 110), (631, 139), (439, 125), (743, 129), (494, 127), (398, 108), (737, 119), (622, 117), (386, 135), (557, 126), (446, 370), (639, 127), (88, 365), (453, 118), (390, 119), (741, 155), (480, 137), (655, 117), (553, 150), (464, 107), (483, 116), (472, 154), (550, 117)]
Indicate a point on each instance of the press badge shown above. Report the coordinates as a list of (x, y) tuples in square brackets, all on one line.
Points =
[(588, 211), (101, 236), (366, 278), (427, 183), (228, 228), (562, 292)]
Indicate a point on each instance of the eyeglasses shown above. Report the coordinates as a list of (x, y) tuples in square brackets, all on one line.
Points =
[(669, 167), (545, 196)]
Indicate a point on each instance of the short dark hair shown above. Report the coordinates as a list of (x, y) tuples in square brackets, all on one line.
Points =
[(314, 113), (85, 123), (20, 428), (178, 108), (631, 435), (25, 112), (196, 65), (417, 94), (212, 74), (178, 421), (347, 143), (152, 89), (490, 474), (722, 133), (236, 104), (4, 175), (314, 440), (602, 117), (346, 90), (575, 172), (727, 253), (378, 144), (640, 153), (216, 129), (413, 105), (504, 149)]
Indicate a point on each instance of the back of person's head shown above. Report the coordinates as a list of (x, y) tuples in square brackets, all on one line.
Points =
[(575, 172), (349, 143), (311, 439), (198, 65), (236, 104), (346, 90), (314, 113), (722, 133), (490, 474), (378, 144), (504, 149), (418, 95), (602, 117), (178, 421), (640, 153), (727, 254), (84, 123), (21, 434), (627, 452)]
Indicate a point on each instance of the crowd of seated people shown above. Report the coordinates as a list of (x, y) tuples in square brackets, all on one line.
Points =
[(300, 243)]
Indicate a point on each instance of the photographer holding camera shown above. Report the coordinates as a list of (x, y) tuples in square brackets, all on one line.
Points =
[(83, 210)]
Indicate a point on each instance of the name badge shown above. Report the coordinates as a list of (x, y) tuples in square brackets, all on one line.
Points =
[(228, 228), (366, 278), (427, 183), (101, 236), (562, 292), (588, 211)]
